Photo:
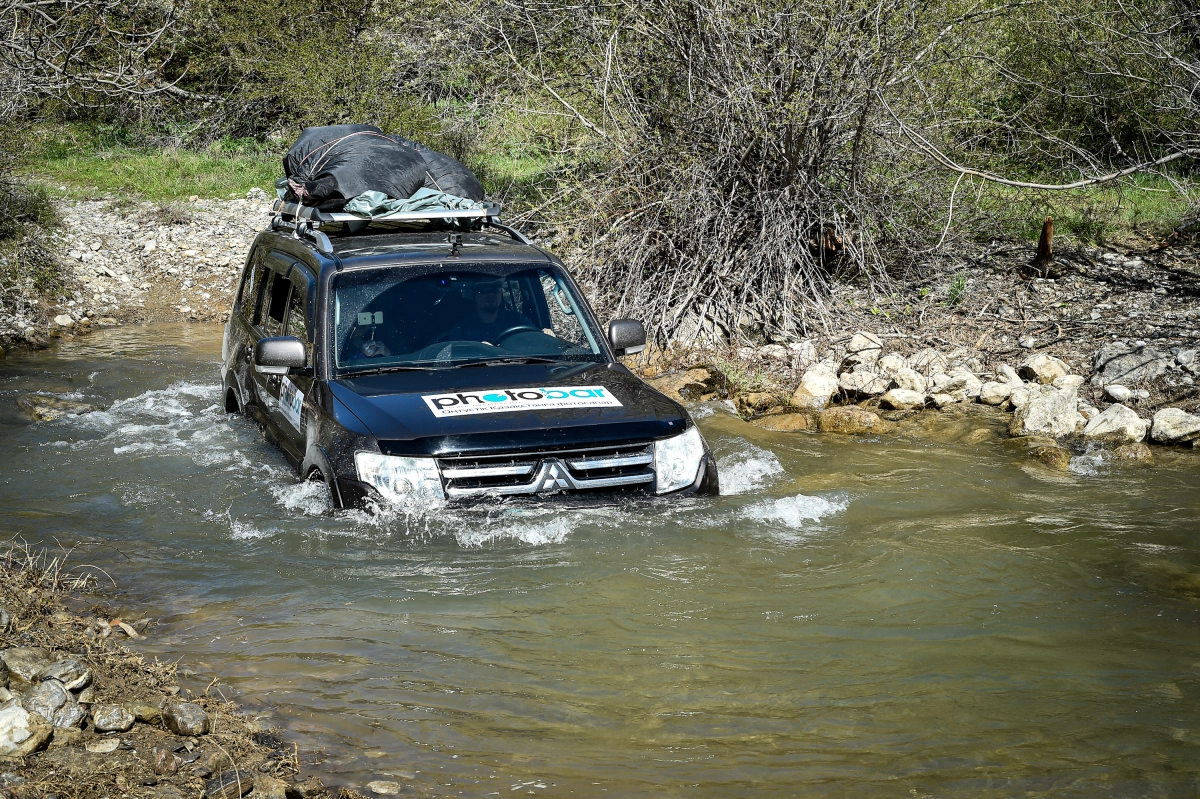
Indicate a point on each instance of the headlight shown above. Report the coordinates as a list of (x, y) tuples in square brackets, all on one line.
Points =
[(677, 460), (400, 480)]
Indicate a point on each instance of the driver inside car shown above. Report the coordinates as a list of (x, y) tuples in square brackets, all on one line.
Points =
[(488, 319)]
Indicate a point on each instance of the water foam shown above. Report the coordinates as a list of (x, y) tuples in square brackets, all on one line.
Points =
[(1090, 463), (747, 470), (794, 512)]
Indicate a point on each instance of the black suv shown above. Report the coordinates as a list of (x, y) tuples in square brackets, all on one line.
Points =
[(414, 359)]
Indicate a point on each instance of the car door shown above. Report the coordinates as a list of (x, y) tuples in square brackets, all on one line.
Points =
[(271, 320), (295, 388)]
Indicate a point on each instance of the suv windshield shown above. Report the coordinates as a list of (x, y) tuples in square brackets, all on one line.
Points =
[(390, 318)]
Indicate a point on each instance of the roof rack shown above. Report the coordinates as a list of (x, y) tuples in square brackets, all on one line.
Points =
[(295, 212)]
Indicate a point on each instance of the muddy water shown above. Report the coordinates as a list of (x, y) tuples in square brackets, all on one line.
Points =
[(877, 617)]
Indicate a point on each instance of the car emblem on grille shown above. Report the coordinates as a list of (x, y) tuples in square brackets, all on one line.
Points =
[(553, 476)]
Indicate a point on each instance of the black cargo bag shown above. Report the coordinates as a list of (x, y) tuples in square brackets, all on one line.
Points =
[(328, 166), (444, 174)]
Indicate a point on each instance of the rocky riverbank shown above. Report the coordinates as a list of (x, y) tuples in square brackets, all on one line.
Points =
[(84, 715)]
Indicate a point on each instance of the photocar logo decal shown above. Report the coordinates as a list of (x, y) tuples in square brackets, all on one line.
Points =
[(519, 399)]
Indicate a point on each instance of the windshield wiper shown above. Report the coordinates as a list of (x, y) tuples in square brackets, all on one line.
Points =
[(378, 370), (514, 359)]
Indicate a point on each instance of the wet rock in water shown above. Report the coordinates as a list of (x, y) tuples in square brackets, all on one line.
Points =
[(46, 698), (850, 420), (46, 409), (25, 663), (1118, 362), (1052, 456), (185, 718), (1050, 412), (22, 732), (903, 400), (684, 386), (1007, 374), (816, 387), (755, 402), (993, 393), (1132, 452), (385, 787), (941, 400), (231, 784), (864, 349), (1175, 426), (1044, 369), (71, 714), (863, 383), (111, 718), (145, 712), (928, 362), (1117, 393), (1118, 425), (70, 672), (787, 422)]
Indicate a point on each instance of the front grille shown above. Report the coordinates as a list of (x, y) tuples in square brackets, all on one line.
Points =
[(549, 471)]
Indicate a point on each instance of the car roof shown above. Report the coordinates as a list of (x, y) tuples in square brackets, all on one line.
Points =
[(398, 247)]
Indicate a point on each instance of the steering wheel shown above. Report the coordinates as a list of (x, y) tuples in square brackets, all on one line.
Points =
[(512, 331)]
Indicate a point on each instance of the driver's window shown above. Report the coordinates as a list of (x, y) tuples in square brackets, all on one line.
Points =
[(563, 315)]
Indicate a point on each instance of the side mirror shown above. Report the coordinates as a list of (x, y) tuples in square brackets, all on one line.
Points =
[(627, 336), (279, 354)]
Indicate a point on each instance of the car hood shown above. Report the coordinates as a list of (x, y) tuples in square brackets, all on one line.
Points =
[(482, 409)]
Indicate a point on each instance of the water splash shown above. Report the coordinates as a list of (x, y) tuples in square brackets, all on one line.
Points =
[(794, 512), (749, 469)]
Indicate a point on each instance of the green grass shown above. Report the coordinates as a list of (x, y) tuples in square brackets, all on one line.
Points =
[(85, 162)]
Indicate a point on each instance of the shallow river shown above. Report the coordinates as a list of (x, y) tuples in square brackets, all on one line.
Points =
[(879, 617)]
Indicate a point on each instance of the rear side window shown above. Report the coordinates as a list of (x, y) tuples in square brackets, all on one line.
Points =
[(275, 303)]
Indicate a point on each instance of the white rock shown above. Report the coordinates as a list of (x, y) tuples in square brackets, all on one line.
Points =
[(1044, 369), (1117, 424), (903, 400), (864, 349), (863, 382), (804, 353), (384, 787), (968, 382), (928, 362), (775, 351), (1068, 383), (942, 400), (62, 320), (1007, 374), (816, 387), (1049, 412), (21, 732), (1087, 411), (1117, 393), (1175, 426), (993, 393), (909, 380), (890, 364)]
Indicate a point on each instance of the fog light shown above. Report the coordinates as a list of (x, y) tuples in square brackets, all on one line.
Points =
[(400, 480), (677, 460)]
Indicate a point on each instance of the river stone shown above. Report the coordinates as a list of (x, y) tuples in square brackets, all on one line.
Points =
[(993, 393), (185, 718), (1054, 457), (1068, 383), (46, 698), (776, 352), (941, 400), (816, 387), (231, 784), (1007, 374), (70, 672), (965, 381), (1188, 359), (71, 714), (1044, 369), (1133, 452), (1049, 412), (1117, 393), (1118, 425), (890, 364), (385, 787), (1175, 426), (909, 380), (862, 383), (1118, 362), (145, 712), (787, 422), (22, 732), (803, 353), (25, 663), (864, 349), (1087, 411), (903, 400), (928, 362), (850, 420), (111, 718), (691, 384), (46, 409), (268, 787)]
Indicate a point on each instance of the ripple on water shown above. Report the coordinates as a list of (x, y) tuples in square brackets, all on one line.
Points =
[(794, 512)]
